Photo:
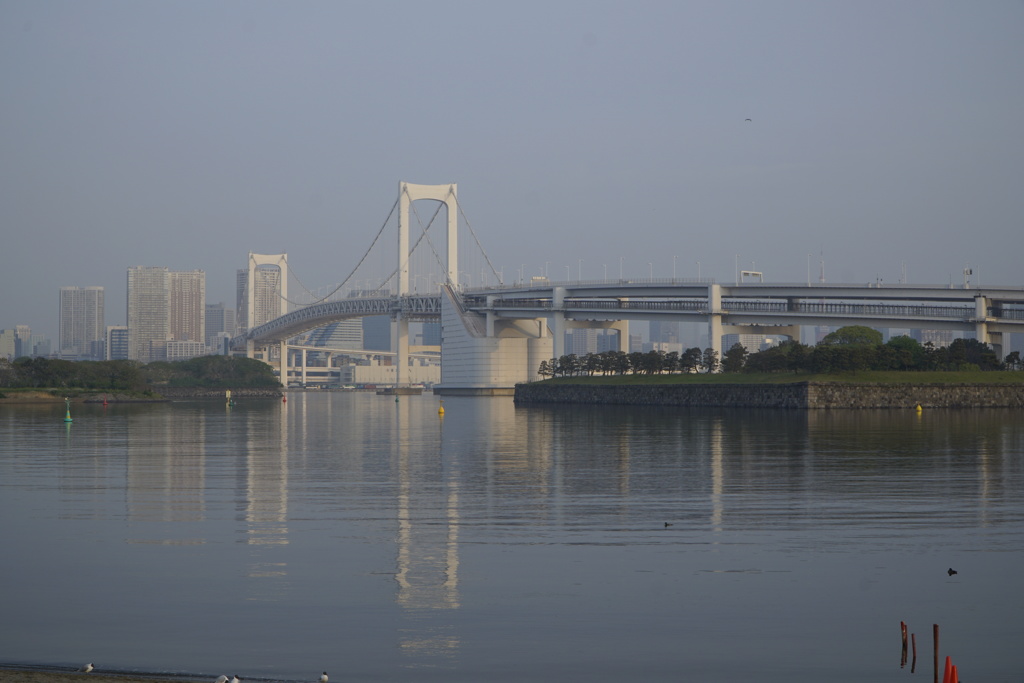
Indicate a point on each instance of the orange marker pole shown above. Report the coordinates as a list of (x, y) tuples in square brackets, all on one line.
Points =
[(947, 676)]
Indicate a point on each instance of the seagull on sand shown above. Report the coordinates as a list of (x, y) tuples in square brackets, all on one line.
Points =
[(323, 677), (87, 668)]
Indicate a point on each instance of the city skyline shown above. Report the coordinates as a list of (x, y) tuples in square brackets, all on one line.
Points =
[(596, 138)]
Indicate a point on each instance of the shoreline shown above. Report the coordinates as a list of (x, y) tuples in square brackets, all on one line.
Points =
[(160, 395), (790, 396), (27, 674)]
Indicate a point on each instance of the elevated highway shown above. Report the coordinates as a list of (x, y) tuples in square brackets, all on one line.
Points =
[(754, 308)]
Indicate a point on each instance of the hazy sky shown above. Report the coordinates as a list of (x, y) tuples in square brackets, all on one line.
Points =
[(187, 133)]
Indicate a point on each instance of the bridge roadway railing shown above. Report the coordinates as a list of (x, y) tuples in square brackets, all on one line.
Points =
[(740, 306), (428, 307)]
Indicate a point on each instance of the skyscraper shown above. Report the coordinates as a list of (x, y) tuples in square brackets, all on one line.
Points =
[(187, 305), (219, 319), (22, 341), (7, 344), (81, 321), (664, 331), (149, 297)]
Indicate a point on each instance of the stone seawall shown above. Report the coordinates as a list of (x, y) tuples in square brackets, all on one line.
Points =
[(201, 392), (801, 395)]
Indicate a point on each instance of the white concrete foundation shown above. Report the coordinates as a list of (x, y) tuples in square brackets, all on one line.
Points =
[(473, 362)]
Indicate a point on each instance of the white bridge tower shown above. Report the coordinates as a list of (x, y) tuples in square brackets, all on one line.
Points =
[(407, 194)]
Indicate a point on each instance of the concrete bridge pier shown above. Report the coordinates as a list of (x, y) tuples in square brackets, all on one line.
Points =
[(715, 318), (982, 330), (400, 343), (282, 361), (483, 354)]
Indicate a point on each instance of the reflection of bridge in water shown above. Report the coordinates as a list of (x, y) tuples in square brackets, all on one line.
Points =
[(494, 336)]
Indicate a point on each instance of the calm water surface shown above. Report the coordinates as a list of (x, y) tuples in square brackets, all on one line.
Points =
[(375, 540)]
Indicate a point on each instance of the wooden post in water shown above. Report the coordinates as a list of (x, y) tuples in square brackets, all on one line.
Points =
[(935, 636), (903, 652), (913, 643)]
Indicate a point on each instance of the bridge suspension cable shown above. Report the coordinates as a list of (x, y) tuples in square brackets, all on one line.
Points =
[(424, 235), (351, 273), (487, 259)]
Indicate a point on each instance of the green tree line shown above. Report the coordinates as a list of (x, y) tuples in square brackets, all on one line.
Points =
[(848, 349), (127, 375)]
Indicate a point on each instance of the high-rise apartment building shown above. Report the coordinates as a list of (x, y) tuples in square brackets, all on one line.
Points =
[(22, 341), (7, 344), (149, 300), (117, 342), (664, 331), (82, 321), (187, 305), (581, 341), (165, 306), (219, 320)]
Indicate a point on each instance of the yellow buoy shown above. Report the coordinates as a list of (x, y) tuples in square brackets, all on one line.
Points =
[(918, 408), (440, 409)]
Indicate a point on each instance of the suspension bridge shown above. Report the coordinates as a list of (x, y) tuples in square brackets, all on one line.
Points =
[(494, 334)]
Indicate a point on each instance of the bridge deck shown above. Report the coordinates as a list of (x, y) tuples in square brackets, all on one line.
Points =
[(744, 304)]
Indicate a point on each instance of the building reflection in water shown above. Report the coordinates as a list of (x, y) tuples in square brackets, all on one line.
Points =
[(265, 500), (717, 474), (166, 472), (266, 480)]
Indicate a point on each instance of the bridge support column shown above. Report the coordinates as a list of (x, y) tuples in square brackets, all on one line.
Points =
[(283, 362), (981, 331), (400, 343), (302, 359), (622, 327), (715, 318), (558, 325), (490, 316)]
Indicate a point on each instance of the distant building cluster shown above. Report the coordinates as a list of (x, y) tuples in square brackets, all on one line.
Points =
[(167, 318)]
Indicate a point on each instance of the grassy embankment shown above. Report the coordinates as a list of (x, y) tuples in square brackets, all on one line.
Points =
[(865, 377)]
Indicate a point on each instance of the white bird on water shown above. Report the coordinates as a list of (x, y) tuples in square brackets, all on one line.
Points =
[(87, 668), (236, 679), (221, 679), (323, 677)]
